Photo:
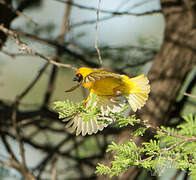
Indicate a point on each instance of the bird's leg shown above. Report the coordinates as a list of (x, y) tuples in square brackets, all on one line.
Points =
[(117, 93)]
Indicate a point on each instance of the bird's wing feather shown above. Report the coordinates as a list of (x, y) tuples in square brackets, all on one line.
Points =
[(139, 91), (100, 75), (91, 126)]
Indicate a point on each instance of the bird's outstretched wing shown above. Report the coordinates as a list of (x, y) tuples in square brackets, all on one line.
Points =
[(84, 125), (97, 75)]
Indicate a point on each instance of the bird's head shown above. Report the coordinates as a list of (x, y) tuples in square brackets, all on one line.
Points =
[(81, 73)]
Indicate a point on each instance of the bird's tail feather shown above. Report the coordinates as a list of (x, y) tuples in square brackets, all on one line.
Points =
[(138, 93)]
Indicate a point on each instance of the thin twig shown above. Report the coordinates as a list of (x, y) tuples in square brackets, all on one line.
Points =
[(111, 15), (24, 47), (65, 26), (55, 44), (113, 12), (14, 55), (164, 150), (189, 95), (8, 148), (96, 34), (32, 84), (17, 134), (11, 164), (19, 13), (86, 22), (156, 128), (53, 169)]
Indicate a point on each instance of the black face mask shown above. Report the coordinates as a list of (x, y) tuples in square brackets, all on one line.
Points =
[(78, 78)]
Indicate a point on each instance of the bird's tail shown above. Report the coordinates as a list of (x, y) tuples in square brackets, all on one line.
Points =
[(139, 89)]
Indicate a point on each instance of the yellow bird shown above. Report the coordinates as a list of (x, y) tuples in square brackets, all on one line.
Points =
[(112, 91)]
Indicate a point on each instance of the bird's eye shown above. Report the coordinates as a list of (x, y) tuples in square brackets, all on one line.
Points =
[(78, 78)]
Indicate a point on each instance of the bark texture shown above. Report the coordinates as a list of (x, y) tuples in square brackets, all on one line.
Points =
[(175, 59), (6, 16)]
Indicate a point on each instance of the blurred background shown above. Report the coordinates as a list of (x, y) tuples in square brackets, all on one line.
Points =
[(134, 37)]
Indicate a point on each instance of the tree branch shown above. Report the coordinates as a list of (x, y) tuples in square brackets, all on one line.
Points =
[(112, 12), (24, 47)]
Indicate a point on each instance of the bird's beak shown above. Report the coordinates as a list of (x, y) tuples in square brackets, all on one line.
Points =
[(73, 88), (76, 79)]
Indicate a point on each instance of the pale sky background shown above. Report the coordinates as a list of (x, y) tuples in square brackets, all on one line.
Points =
[(120, 30)]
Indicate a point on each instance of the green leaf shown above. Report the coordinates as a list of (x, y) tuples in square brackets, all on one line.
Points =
[(189, 127), (139, 132), (102, 169)]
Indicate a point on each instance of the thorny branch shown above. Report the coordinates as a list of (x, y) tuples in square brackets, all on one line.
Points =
[(96, 35), (24, 47), (63, 47)]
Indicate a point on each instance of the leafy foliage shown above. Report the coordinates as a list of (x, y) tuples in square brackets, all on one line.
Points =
[(171, 148), (67, 110), (189, 127), (125, 121)]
